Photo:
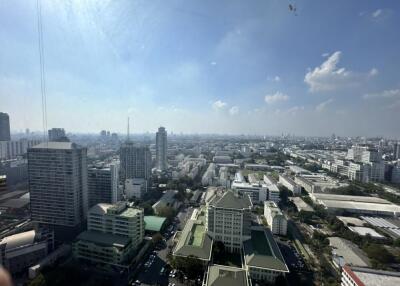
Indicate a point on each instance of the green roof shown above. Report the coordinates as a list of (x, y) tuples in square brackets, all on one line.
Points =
[(231, 200), (154, 223), (104, 239), (194, 241), (219, 275), (262, 251)]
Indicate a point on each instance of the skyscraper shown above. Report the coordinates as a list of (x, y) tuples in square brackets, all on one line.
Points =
[(4, 127), (57, 135), (57, 175), (135, 161), (103, 184), (161, 149), (396, 152)]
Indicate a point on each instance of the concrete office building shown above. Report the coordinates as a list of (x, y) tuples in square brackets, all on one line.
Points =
[(4, 127), (228, 219), (57, 135), (396, 150), (20, 251), (117, 219), (135, 161), (113, 236), (256, 190), (275, 219), (3, 183), (135, 188), (360, 276), (57, 175), (220, 275), (13, 149), (287, 182), (161, 149), (103, 184)]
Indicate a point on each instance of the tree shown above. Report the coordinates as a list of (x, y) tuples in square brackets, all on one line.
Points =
[(167, 212), (156, 238), (191, 266), (38, 281), (378, 253)]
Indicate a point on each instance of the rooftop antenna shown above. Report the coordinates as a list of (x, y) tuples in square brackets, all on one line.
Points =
[(42, 69), (127, 137)]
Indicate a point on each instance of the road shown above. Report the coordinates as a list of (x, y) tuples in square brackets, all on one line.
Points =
[(151, 275)]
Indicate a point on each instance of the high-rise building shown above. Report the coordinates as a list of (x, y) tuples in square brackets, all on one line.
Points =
[(161, 149), (13, 149), (396, 151), (57, 135), (229, 219), (3, 183), (4, 127), (135, 161), (135, 188), (57, 176), (103, 184)]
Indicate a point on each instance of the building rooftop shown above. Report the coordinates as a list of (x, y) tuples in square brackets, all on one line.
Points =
[(349, 251), (363, 231), (231, 200), (351, 220), (19, 239), (301, 205), (154, 223), (262, 251), (220, 275), (364, 199), (194, 241), (104, 239), (56, 145), (371, 277)]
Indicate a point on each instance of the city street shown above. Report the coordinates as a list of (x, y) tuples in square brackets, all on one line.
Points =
[(152, 275)]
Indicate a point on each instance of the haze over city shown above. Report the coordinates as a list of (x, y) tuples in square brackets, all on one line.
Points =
[(204, 67)]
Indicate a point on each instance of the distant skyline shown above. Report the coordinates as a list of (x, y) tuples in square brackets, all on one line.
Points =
[(229, 67)]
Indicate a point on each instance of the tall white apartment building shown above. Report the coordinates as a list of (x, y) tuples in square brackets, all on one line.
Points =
[(273, 190), (228, 219), (103, 184), (275, 219), (161, 149), (135, 161)]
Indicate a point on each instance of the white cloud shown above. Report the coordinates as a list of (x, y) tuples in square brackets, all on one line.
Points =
[(373, 72), (275, 78), (234, 110), (277, 96), (218, 105), (328, 76), (377, 13), (321, 107), (325, 55), (389, 93)]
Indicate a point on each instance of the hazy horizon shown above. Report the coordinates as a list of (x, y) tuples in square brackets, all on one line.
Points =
[(226, 67)]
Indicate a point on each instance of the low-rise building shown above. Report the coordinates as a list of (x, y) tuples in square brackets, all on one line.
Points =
[(289, 183), (275, 219), (135, 188), (359, 276), (168, 199), (345, 252), (356, 204), (113, 236), (262, 257), (221, 275), (20, 251)]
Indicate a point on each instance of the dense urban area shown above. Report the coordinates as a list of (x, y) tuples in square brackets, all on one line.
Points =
[(158, 209)]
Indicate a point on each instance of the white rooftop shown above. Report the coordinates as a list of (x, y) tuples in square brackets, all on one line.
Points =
[(363, 231)]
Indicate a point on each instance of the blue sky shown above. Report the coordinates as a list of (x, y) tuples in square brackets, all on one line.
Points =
[(235, 67)]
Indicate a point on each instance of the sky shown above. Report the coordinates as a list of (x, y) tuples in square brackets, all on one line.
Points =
[(230, 67)]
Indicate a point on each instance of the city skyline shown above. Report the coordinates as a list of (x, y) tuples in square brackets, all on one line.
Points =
[(211, 68)]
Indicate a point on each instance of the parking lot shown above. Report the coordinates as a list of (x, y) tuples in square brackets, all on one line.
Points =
[(154, 269), (293, 259)]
